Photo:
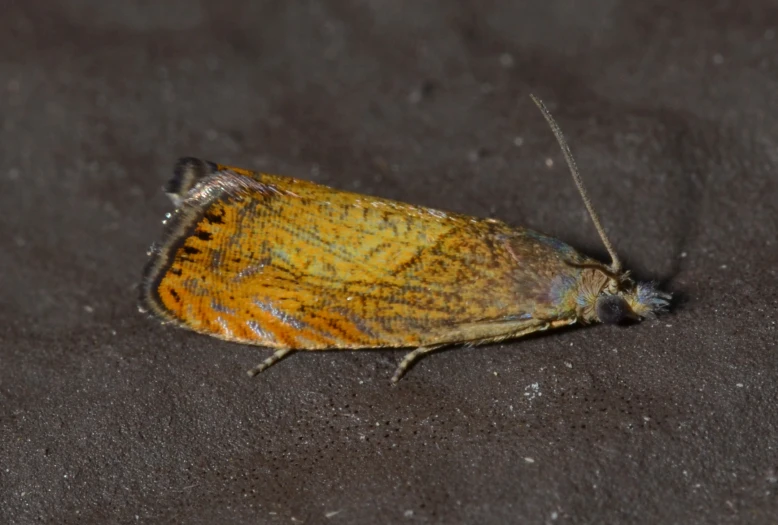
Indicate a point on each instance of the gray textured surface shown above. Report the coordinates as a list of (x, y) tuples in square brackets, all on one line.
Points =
[(670, 109)]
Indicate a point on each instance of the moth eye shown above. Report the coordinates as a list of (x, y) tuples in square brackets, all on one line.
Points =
[(612, 309)]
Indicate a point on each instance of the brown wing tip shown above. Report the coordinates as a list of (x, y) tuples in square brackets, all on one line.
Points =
[(187, 172)]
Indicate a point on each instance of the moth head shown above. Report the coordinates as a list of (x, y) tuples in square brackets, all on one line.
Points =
[(605, 293), (622, 300)]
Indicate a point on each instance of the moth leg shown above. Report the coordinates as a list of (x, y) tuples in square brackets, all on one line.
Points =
[(270, 361), (410, 358)]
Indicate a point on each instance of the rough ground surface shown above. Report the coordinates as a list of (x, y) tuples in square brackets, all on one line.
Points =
[(108, 417)]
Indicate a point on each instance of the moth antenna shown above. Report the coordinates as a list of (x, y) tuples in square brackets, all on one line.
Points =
[(615, 262)]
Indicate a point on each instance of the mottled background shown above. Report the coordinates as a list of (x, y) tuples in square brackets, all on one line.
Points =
[(670, 107)]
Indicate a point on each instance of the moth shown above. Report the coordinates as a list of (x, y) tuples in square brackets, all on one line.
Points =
[(292, 265)]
